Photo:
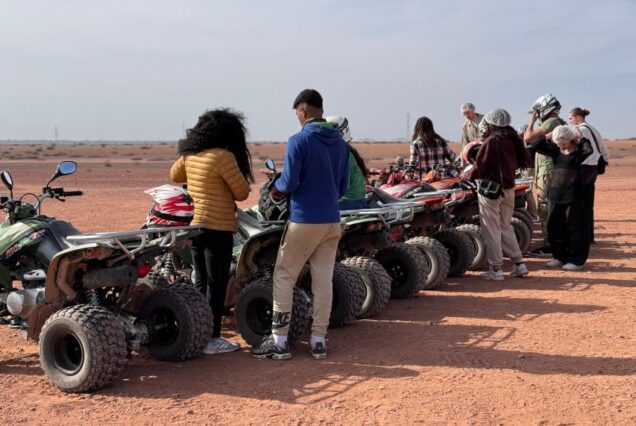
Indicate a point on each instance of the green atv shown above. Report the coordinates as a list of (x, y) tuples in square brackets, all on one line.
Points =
[(78, 294)]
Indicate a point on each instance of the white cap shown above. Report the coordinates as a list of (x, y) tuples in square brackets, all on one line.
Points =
[(467, 107), (498, 117)]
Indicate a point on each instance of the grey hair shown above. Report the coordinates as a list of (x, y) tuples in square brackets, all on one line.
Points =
[(467, 107), (563, 132)]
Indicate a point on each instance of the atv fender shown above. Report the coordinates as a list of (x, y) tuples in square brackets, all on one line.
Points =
[(58, 286), (246, 266)]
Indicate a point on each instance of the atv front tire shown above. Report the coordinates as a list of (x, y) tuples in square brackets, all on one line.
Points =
[(377, 282), (460, 249), (474, 234), (438, 258), (179, 320), (254, 307), (407, 268), (349, 293), (82, 348)]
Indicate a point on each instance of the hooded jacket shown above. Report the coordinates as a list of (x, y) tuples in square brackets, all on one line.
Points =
[(315, 173), (215, 182)]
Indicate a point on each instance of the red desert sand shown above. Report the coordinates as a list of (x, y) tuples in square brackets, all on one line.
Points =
[(555, 348)]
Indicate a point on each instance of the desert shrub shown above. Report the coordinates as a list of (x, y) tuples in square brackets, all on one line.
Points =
[(107, 164), (136, 159)]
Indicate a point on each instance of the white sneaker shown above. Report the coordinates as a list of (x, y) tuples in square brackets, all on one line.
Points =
[(572, 267), (492, 275), (219, 345), (554, 263), (520, 270)]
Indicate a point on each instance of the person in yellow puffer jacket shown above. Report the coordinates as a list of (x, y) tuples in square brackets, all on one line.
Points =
[(215, 163)]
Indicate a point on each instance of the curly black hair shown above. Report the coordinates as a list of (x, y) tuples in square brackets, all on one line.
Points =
[(220, 128)]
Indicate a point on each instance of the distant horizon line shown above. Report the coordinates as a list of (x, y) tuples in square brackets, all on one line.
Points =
[(172, 141)]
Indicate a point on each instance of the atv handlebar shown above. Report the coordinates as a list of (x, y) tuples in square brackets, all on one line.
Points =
[(73, 193)]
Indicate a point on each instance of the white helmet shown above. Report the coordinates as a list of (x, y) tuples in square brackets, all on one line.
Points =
[(342, 124), (546, 105)]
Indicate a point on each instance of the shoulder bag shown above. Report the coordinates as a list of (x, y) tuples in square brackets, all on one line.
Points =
[(489, 188), (602, 164)]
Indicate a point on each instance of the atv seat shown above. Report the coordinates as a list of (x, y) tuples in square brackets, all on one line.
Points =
[(248, 225), (381, 198)]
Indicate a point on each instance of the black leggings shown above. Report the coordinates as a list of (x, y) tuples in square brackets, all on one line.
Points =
[(212, 256), (568, 232)]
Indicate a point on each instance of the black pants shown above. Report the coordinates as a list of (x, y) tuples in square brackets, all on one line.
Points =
[(568, 232), (588, 180), (212, 256)]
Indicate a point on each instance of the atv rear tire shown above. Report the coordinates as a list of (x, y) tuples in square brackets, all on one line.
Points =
[(254, 307), (474, 233), (82, 348), (460, 249), (349, 293), (524, 216), (522, 233), (407, 267), (179, 320), (438, 258), (377, 282)]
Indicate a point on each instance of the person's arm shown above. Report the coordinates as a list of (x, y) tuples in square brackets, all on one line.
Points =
[(483, 160), (531, 134), (290, 177), (346, 175), (465, 139), (178, 172), (234, 179), (545, 147), (415, 153), (602, 146), (448, 152)]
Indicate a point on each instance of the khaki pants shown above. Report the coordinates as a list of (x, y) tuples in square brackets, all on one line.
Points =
[(496, 229), (302, 242), (543, 209)]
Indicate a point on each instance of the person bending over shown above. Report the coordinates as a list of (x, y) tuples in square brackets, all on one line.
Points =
[(355, 197), (568, 232)]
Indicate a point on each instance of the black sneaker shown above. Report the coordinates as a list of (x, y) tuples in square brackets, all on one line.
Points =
[(319, 351), (269, 349), (542, 251)]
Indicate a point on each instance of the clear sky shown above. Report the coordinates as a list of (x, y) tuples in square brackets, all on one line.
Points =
[(143, 69)]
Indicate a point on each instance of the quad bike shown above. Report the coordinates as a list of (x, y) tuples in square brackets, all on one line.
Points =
[(254, 254), (79, 293), (432, 223), (463, 206)]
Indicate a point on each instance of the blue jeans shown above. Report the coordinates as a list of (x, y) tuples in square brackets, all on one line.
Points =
[(352, 204)]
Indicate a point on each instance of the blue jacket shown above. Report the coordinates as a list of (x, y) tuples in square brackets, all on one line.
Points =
[(315, 174)]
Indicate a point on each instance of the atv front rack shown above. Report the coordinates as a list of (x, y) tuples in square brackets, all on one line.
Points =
[(389, 215), (167, 235)]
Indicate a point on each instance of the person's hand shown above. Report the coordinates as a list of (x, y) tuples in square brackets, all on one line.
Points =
[(548, 136), (534, 116), (577, 133)]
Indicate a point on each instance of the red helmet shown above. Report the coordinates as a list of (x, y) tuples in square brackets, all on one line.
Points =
[(171, 206), (469, 153)]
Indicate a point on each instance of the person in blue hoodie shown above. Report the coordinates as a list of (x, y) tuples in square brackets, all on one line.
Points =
[(315, 176)]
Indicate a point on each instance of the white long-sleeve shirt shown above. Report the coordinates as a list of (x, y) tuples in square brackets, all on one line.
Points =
[(587, 131)]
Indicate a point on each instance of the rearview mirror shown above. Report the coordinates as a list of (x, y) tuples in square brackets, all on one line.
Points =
[(66, 168), (269, 163), (7, 179)]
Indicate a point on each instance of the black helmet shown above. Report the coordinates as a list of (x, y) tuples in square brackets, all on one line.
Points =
[(270, 208)]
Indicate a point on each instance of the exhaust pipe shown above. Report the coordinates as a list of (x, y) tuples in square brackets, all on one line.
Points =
[(120, 276)]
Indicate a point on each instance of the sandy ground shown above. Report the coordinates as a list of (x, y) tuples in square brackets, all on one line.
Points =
[(555, 348)]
